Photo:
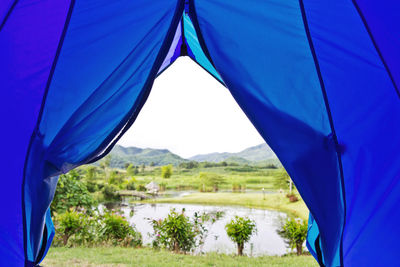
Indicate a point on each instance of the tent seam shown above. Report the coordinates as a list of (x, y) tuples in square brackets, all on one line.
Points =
[(39, 118), (328, 110), (371, 36), (196, 24), (13, 5)]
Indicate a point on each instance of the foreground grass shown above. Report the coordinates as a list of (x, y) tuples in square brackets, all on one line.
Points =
[(272, 201), (145, 257)]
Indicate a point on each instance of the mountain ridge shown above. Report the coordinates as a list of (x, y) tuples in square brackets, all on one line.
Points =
[(120, 156), (256, 153)]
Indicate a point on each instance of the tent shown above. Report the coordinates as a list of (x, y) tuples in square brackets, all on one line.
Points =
[(318, 79)]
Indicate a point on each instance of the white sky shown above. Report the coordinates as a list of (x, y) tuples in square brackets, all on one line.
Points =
[(189, 113)]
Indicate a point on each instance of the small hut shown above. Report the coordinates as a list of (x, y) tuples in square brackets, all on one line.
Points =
[(152, 188)]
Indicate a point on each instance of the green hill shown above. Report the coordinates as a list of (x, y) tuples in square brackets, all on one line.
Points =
[(259, 153), (137, 156)]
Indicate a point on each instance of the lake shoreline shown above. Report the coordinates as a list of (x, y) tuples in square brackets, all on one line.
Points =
[(268, 201)]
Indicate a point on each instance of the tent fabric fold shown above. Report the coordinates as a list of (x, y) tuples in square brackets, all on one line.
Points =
[(319, 80)]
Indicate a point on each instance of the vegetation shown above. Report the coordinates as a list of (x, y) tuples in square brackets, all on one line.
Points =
[(79, 223), (294, 231), (71, 192), (76, 228), (146, 257), (116, 229), (68, 224), (175, 232), (166, 171), (272, 201), (179, 233), (210, 180), (239, 230)]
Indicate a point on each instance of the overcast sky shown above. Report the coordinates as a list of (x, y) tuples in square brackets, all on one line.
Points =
[(189, 113)]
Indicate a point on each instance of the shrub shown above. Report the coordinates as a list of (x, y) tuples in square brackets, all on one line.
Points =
[(239, 230), (294, 231), (116, 178), (110, 192), (237, 188), (166, 171), (130, 185), (212, 180), (179, 233), (71, 192), (141, 188), (174, 232), (116, 229), (91, 186), (68, 224), (292, 197)]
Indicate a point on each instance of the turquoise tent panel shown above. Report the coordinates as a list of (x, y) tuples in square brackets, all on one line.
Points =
[(194, 47)]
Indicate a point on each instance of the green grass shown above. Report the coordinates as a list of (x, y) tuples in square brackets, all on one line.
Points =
[(189, 179), (145, 257), (273, 201)]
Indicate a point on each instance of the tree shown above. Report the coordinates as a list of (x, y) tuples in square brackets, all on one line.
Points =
[(142, 168), (175, 232), (239, 230), (283, 181), (166, 171), (211, 180), (152, 164), (69, 223), (71, 192), (105, 165), (90, 173), (294, 231), (115, 178), (131, 170)]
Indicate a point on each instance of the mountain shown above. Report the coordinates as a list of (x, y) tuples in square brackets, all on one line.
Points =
[(261, 154), (137, 156), (257, 153)]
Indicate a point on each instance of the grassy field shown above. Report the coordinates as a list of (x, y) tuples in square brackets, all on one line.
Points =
[(272, 201), (252, 178), (145, 257)]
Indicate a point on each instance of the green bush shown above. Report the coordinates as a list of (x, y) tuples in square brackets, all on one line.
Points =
[(210, 180), (116, 229), (71, 192), (110, 192), (166, 171), (238, 188), (175, 232), (116, 178), (179, 233), (294, 231), (239, 230), (74, 228), (130, 185)]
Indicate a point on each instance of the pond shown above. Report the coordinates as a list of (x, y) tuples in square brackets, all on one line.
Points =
[(265, 242)]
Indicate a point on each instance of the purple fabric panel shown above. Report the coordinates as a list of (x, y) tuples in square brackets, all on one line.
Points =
[(28, 43), (174, 50), (382, 18)]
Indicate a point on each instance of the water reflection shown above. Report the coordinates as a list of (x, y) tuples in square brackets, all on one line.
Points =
[(265, 242)]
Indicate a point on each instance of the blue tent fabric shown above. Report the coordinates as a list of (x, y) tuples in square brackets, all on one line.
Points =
[(318, 79)]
